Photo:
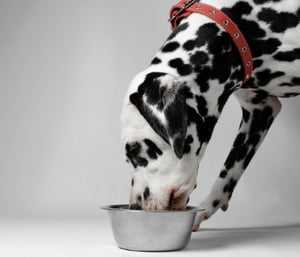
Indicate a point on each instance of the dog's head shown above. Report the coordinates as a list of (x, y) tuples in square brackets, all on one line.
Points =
[(154, 131)]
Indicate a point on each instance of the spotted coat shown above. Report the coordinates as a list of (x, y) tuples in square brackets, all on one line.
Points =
[(172, 107)]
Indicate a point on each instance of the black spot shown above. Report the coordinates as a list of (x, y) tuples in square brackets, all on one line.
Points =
[(178, 29), (153, 150), (201, 105), (215, 203), (286, 84), (265, 1), (278, 21), (133, 148), (132, 182), (224, 96), (253, 27), (288, 56), (175, 63), (253, 139), (139, 198), (238, 10), (170, 47), (296, 81), (187, 201), (133, 151), (261, 120), (248, 158), (185, 70), (206, 33), (187, 93), (199, 58), (146, 193), (225, 189), (223, 174), (156, 60), (229, 163), (257, 63), (182, 69), (290, 94), (240, 139), (238, 151), (264, 77), (261, 47), (204, 125), (230, 187), (246, 115), (204, 86), (207, 129), (187, 145), (260, 96), (189, 45), (242, 152), (202, 79)]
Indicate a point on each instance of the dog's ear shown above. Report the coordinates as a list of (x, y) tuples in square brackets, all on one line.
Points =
[(161, 100)]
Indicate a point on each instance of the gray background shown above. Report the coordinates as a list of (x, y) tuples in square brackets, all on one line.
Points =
[(64, 68)]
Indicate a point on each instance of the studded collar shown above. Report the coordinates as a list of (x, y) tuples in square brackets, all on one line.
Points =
[(186, 7)]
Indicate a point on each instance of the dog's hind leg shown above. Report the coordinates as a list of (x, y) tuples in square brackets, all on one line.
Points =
[(258, 113)]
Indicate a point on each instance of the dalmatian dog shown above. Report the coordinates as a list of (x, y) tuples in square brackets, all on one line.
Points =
[(171, 108)]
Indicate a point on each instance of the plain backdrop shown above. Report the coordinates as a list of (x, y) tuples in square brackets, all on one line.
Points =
[(64, 68)]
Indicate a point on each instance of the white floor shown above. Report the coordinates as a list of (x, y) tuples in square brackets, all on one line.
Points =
[(89, 238)]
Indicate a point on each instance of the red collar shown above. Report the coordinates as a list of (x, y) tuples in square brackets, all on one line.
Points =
[(187, 7)]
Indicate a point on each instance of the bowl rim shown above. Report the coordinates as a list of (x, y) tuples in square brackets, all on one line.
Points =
[(122, 207)]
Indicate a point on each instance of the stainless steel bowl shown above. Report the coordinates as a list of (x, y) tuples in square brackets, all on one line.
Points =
[(151, 231)]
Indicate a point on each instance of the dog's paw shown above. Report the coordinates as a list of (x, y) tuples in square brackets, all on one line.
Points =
[(199, 218), (206, 215)]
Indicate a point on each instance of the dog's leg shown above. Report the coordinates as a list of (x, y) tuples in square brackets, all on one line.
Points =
[(258, 113)]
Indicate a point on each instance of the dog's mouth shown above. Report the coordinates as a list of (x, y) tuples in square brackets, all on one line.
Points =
[(174, 204), (174, 201), (177, 203), (171, 200)]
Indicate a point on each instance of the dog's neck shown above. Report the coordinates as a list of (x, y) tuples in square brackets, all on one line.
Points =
[(208, 64)]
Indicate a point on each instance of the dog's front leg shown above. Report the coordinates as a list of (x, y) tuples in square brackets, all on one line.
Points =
[(258, 113)]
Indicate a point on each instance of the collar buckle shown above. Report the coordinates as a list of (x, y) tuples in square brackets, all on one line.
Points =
[(186, 5)]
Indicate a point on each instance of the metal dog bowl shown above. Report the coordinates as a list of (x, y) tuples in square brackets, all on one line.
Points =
[(151, 231)]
